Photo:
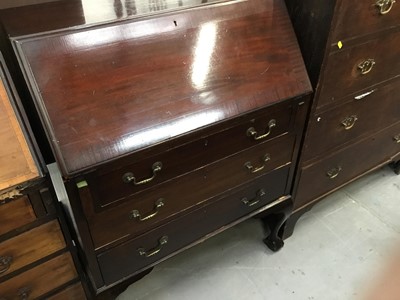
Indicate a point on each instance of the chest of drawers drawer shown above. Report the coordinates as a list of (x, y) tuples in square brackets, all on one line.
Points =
[(141, 174), (40, 280), (161, 242), (368, 112), (358, 18), (359, 67), (145, 210), (342, 166), (16, 213), (30, 246)]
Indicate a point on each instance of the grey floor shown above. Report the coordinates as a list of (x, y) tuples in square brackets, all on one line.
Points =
[(334, 253)]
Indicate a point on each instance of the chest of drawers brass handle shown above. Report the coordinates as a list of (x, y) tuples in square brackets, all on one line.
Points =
[(396, 138), (130, 178), (385, 6), (253, 133), (5, 263), (362, 96), (366, 66), (135, 214), (333, 173), (261, 193), (253, 169), (148, 253), (349, 122)]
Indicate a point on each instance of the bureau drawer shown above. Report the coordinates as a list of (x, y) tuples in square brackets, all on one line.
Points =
[(130, 257), (40, 280), (357, 18), (337, 169), (378, 109), (182, 193), (15, 214), (378, 58), (30, 246), (73, 292), (118, 184)]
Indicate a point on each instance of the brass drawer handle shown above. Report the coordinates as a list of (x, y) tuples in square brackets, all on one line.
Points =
[(385, 6), (333, 173), (253, 133), (397, 139), (253, 169), (130, 178), (5, 263), (162, 241), (349, 122), (261, 193), (135, 214), (366, 66)]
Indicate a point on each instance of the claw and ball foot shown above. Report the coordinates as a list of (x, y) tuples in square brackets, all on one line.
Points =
[(396, 167), (274, 223)]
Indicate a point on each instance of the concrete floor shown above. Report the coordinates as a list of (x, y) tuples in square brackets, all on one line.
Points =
[(333, 254)]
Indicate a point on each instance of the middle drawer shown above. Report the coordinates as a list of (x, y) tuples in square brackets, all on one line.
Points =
[(147, 209), (370, 111)]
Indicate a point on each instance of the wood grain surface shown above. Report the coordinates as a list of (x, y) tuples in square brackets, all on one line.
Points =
[(41, 279), (16, 161), (32, 245), (16, 213)]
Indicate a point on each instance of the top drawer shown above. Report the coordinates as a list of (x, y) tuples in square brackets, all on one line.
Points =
[(359, 67), (357, 18), (139, 174)]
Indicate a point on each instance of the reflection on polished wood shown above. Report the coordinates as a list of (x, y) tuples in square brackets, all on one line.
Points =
[(108, 91), (16, 161)]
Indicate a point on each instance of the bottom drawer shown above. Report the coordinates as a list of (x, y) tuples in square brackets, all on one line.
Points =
[(39, 280), (73, 292), (138, 253), (335, 170)]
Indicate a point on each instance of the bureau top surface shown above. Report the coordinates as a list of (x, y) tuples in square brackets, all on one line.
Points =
[(110, 89)]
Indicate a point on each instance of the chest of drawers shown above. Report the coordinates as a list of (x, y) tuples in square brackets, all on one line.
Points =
[(167, 126), (33, 239), (351, 51)]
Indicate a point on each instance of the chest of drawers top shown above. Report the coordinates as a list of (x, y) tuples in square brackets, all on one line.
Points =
[(108, 85)]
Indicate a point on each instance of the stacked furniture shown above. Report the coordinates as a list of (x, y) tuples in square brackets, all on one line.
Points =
[(351, 52), (35, 257), (168, 125)]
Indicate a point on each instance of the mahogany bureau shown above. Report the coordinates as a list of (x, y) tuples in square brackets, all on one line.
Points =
[(170, 121), (34, 243), (351, 50)]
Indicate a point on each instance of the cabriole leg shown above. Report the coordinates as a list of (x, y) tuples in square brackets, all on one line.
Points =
[(274, 223)]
